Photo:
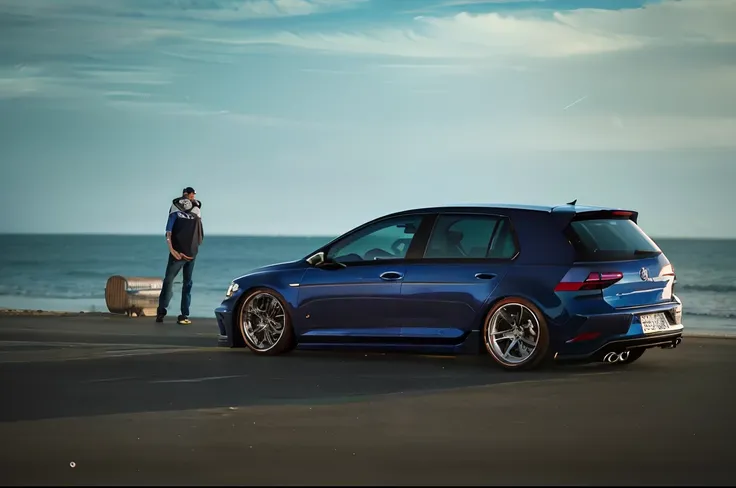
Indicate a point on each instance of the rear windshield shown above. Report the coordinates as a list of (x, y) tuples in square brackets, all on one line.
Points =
[(610, 240)]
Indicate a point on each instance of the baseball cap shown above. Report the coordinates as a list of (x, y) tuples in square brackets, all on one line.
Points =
[(188, 189)]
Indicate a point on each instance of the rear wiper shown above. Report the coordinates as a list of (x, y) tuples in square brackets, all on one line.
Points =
[(640, 252)]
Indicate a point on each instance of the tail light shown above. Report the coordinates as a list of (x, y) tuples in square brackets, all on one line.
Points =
[(585, 336), (669, 270), (594, 281)]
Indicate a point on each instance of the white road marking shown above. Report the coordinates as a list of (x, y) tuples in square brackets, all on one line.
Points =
[(84, 344), (199, 380), (145, 350), (105, 380), (91, 354), (139, 352)]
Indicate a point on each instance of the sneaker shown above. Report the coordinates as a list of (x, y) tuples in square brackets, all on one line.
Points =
[(160, 318), (183, 320)]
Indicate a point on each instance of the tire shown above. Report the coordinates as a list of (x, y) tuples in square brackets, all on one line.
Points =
[(285, 342), (512, 306)]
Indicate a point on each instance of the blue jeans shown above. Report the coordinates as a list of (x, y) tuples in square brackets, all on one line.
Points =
[(172, 270)]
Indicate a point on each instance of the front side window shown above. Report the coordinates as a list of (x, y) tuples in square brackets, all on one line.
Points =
[(387, 239), (471, 237)]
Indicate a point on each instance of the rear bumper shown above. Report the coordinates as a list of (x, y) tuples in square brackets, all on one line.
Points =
[(597, 335), (665, 339)]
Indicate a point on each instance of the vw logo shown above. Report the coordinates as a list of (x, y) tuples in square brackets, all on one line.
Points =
[(644, 274)]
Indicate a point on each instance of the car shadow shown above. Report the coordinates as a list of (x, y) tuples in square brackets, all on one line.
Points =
[(235, 377)]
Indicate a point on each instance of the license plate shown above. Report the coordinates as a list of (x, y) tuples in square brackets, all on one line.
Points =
[(656, 322)]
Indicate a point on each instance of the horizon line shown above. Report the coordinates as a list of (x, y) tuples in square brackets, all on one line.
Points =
[(308, 236), (114, 234)]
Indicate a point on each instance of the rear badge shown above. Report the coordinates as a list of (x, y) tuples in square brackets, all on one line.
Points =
[(644, 274)]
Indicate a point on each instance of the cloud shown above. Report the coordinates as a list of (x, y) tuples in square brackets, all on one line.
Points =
[(139, 103), (19, 82), (597, 133), (489, 35), (212, 10), (121, 88), (124, 76), (424, 69), (242, 10), (137, 24), (126, 95), (463, 3), (660, 76), (78, 81), (123, 24), (22, 81), (330, 71), (469, 3)]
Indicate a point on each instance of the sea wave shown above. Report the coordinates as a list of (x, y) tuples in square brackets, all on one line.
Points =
[(96, 292), (710, 288), (103, 275), (713, 315), (55, 294)]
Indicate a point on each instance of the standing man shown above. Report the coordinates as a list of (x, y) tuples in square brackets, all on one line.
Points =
[(184, 234)]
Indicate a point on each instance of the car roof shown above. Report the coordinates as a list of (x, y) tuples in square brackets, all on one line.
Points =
[(500, 207)]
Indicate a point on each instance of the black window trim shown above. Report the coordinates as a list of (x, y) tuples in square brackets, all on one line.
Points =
[(500, 218), (427, 217), (420, 241)]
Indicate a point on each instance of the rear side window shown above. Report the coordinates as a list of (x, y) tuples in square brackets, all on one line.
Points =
[(471, 237), (610, 240)]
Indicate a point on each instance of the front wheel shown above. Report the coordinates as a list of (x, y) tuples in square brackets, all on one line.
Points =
[(516, 335), (265, 324)]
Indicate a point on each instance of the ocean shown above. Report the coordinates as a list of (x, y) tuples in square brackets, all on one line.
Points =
[(69, 272)]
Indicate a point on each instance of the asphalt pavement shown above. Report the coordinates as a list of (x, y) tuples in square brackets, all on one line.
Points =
[(113, 401)]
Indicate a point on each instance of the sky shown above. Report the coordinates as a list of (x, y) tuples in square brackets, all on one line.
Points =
[(309, 117)]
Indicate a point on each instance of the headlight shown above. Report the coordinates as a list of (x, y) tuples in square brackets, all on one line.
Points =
[(231, 289)]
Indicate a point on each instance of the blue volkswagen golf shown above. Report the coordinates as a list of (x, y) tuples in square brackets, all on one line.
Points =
[(523, 284)]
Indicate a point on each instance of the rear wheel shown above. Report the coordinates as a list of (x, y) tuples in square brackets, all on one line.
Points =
[(265, 324), (516, 335)]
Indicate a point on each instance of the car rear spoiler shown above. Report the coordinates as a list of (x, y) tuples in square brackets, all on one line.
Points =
[(607, 214), (570, 213)]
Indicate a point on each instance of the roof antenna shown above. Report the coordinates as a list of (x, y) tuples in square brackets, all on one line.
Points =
[(573, 202)]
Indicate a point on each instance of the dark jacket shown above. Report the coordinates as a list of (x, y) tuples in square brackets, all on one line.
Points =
[(185, 225)]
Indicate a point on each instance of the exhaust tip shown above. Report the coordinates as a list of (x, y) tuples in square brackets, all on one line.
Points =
[(672, 344), (615, 357)]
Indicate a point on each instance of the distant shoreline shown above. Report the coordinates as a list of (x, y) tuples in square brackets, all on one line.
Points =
[(22, 312), (102, 234), (285, 236)]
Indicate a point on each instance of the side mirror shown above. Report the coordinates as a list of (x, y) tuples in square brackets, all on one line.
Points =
[(316, 259), (319, 260)]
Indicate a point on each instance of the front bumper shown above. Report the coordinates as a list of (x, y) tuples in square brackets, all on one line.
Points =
[(225, 325)]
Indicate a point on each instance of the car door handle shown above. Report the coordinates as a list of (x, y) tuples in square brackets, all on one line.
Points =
[(485, 276), (391, 276)]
